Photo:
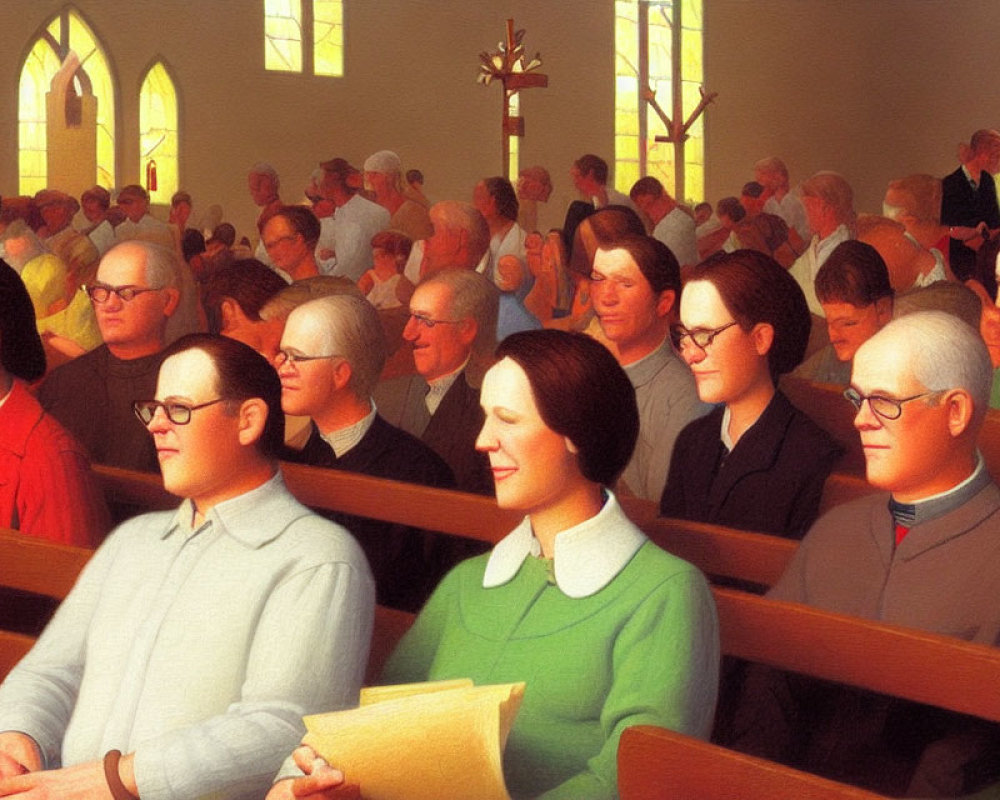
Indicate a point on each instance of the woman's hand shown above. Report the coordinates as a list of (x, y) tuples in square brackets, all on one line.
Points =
[(321, 781)]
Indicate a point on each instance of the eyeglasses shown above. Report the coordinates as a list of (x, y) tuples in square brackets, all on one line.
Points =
[(427, 322), (292, 358), (280, 240), (100, 292), (177, 413), (885, 407), (700, 337)]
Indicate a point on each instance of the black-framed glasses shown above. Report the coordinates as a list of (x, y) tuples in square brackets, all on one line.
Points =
[(427, 322), (292, 358), (885, 407), (700, 337), (100, 292), (177, 413)]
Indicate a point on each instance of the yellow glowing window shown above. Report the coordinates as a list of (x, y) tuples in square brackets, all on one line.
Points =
[(66, 31), (514, 142), (158, 132), (328, 37), (283, 35), (288, 49), (658, 44)]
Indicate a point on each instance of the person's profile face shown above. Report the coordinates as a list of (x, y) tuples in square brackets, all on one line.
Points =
[(261, 188), (195, 458), (57, 216), (307, 386), (903, 455), (533, 466), (441, 348)]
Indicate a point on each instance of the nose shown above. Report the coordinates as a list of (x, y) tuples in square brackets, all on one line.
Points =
[(160, 422), (410, 330), (604, 293), (865, 419), (692, 354), (113, 303), (486, 441)]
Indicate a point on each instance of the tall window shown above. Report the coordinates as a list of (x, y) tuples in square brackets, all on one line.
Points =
[(304, 36), (514, 142), (67, 31), (658, 45), (158, 132)]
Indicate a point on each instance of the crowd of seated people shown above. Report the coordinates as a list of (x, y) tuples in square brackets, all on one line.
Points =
[(637, 352)]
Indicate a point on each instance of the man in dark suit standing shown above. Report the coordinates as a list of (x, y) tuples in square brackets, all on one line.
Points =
[(969, 201), (452, 329), (332, 351)]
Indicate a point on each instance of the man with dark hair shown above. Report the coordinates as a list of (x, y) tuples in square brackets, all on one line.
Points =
[(671, 224), (854, 290), (195, 640), (46, 486), (589, 174), (969, 201), (134, 296), (232, 297), (290, 236), (635, 285), (496, 200), (356, 219)]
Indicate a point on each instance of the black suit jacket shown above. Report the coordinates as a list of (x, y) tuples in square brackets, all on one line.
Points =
[(771, 481), (963, 205), (452, 434), (407, 563)]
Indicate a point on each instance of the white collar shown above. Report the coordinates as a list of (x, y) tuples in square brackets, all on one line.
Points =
[(344, 440), (587, 556)]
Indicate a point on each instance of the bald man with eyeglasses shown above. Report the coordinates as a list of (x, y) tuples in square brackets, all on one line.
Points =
[(133, 296), (923, 552), (187, 653)]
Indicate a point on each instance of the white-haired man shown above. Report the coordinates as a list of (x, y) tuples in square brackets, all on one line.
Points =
[(332, 351), (134, 296), (383, 175), (923, 553)]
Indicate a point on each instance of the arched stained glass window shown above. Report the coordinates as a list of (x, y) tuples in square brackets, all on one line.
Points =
[(658, 45), (158, 132), (288, 49), (67, 31)]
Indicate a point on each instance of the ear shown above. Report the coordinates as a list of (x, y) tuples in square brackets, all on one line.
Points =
[(252, 417), (762, 336), (342, 373), (665, 302), (173, 299), (468, 330), (883, 310), (960, 409), (229, 310)]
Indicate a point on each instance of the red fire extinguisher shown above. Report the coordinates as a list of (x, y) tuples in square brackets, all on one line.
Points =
[(151, 176)]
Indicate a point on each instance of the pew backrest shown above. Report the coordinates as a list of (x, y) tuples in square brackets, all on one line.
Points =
[(658, 764)]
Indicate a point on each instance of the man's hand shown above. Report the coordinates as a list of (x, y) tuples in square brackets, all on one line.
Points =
[(321, 781), (82, 782), (18, 754)]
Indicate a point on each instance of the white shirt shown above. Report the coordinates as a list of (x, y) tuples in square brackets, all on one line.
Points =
[(791, 210), (342, 441), (807, 265), (354, 225)]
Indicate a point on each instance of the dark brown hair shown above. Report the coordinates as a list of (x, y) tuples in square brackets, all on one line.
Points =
[(242, 374), (581, 393), (853, 273), (755, 288)]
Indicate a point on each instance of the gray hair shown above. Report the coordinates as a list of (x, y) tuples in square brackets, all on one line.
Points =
[(476, 296), (351, 329), (464, 217), (263, 168), (162, 264), (944, 353)]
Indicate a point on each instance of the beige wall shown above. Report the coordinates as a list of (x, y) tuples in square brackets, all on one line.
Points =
[(873, 88)]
